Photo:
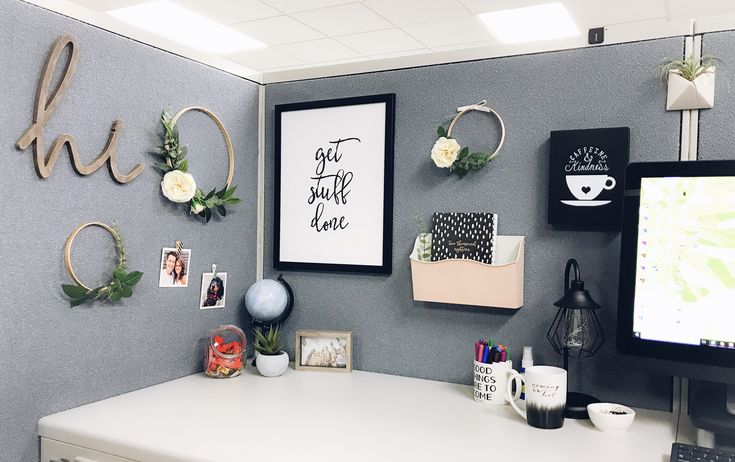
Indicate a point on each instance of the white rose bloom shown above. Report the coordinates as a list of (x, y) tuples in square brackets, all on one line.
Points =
[(178, 186), (445, 152), (195, 209)]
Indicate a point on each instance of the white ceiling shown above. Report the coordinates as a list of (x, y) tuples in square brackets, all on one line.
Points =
[(312, 33)]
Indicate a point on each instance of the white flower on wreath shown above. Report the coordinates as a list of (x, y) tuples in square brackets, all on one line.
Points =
[(445, 152), (197, 208), (178, 186)]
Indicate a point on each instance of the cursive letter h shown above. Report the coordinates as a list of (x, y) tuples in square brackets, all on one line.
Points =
[(44, 110)]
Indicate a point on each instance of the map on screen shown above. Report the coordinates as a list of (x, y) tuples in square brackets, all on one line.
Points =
[(685, 262)]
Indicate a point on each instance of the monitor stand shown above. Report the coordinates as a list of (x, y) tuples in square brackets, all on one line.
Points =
[(712, 409)]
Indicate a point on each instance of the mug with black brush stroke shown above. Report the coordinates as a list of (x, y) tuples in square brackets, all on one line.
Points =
[(546, 395)]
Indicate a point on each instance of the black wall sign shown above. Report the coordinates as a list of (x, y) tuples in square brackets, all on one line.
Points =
[(587, 177)]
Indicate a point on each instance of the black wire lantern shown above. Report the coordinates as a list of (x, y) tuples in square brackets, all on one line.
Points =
[(576, 332)]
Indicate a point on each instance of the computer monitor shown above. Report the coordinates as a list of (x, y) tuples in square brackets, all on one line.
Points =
[(676, 299)]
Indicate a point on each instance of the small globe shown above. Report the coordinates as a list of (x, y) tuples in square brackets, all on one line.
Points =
[(266, 300)]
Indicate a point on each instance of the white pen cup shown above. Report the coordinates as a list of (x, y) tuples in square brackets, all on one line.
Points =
[(491, 381)]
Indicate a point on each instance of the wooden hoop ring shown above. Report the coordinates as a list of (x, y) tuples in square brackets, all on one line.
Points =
[(70, 239), (489, 111), (228, 141)]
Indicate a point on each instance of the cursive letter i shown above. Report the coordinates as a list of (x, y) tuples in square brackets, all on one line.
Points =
[(44, 110)]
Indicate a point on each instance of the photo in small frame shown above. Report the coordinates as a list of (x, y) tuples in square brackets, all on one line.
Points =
[(323, 351), (213, 290), (174, 267)]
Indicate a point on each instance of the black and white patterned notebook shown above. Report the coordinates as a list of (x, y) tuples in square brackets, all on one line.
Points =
[(469, 236)]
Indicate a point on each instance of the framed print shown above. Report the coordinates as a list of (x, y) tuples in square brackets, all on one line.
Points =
[(323, 351), (334, 185)]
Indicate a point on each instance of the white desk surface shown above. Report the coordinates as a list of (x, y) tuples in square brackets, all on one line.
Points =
[(322, 416)]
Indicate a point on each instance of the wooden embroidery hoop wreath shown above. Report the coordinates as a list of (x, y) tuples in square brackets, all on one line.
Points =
[(481, 106), (223, 130), (70, 239)]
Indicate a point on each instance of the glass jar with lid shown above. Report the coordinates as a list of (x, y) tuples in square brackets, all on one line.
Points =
[(225, 352)]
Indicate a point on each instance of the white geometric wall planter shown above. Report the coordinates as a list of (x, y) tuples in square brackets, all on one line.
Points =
[(686, 94)]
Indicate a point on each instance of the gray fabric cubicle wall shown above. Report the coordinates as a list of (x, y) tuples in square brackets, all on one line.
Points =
[(717, 125), (607, 86), (53, 357)]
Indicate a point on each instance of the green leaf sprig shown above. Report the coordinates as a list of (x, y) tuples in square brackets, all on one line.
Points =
[(174, 158), (119, 286), (170, 149), (215, 200), (465, 161)]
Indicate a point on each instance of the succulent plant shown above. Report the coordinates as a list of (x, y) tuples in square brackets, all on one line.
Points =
[(268, 343), (690, 67)]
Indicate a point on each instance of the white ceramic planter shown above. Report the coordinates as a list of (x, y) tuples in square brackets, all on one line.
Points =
[(683, 94), (271, 365)]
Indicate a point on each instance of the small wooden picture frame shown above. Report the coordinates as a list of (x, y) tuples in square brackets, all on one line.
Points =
[(318, 350)]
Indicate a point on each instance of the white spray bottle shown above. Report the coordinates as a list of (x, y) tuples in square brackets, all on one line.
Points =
[(526, 362)]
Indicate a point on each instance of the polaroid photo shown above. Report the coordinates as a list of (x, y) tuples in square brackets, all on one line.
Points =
[(174, 268), (213, 290)]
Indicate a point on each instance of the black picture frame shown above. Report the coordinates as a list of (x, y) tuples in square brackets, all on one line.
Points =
[(281, 260)]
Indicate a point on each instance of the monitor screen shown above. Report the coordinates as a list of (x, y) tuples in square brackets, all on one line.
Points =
[(685, 264), (677, 268)]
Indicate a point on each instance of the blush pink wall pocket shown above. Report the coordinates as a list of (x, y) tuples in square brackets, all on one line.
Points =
[(468, 282)]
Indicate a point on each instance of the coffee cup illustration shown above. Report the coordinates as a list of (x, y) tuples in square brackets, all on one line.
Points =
[(588, 187)]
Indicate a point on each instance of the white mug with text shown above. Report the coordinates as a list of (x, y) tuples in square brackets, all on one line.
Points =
[(546, 395)]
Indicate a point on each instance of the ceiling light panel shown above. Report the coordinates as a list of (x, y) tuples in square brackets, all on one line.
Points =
[(530, 24), (186, 27)]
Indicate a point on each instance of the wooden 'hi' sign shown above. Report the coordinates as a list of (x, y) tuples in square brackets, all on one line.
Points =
[(44, 110)]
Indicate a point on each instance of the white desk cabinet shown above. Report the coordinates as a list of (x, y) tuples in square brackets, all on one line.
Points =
[(56, 451), (312, 416)]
